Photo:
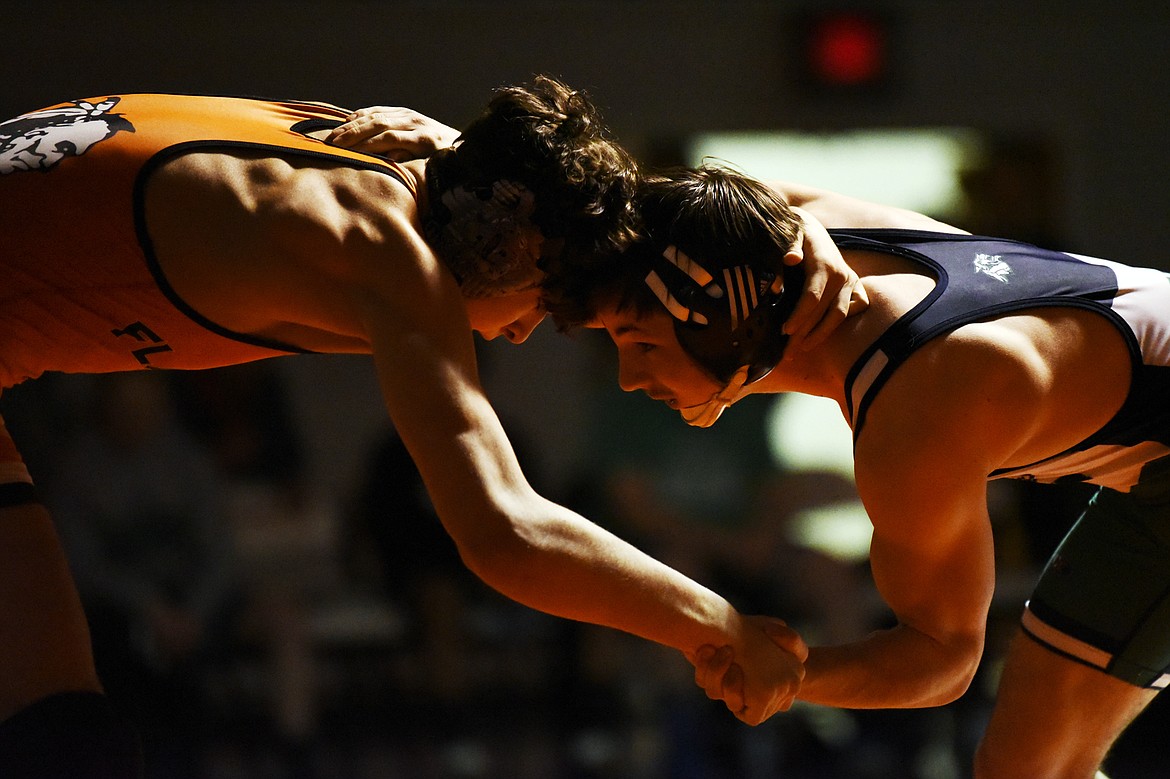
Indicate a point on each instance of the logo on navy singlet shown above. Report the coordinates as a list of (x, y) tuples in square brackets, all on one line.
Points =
[(994, 266), (40, 140)]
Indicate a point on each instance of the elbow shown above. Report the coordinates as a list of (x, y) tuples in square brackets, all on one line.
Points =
[(958, 685), (963, 657), (493, 559), (494, 544), (488, 552)]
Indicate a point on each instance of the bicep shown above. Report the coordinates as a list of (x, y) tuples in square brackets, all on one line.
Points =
[(962, 406), (932, 554)]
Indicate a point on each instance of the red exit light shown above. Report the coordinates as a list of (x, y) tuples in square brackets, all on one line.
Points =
[(846, 49)]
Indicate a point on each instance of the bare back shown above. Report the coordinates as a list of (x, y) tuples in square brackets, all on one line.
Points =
[(245, 207), (259, 244)]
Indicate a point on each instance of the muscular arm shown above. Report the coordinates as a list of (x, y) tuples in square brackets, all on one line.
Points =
[(836, 210), (932, 562), (332, 259), (521, 544), (932, 436)]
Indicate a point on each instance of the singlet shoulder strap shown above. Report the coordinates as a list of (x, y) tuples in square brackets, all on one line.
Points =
[(882, 358)]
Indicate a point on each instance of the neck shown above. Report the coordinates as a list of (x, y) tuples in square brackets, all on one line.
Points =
[(820, 371), (892, 291), (416, 169)]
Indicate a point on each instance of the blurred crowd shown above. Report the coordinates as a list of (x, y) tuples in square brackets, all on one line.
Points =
[(254, 628)]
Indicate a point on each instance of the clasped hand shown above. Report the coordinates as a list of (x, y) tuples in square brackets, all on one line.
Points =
[(758, 677)]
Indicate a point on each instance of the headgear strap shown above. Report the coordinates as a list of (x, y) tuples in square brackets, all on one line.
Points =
[(731, 323)]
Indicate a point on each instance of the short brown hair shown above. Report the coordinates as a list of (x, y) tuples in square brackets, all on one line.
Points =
[(711, 213), (549, 138)]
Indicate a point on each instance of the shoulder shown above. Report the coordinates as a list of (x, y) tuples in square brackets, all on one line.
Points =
[(964, 401), (1000, 393), (256, 242), (346, 220)]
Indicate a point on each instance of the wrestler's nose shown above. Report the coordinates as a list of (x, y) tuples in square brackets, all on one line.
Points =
[(519, 330)]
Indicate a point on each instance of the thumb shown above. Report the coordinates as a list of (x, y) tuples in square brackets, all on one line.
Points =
[(786, 638)]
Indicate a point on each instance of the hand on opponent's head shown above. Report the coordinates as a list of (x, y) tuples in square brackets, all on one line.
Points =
[(832, 290)]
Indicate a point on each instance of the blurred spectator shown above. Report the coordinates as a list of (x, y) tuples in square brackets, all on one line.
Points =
[(285, 538), (242, 415), (140, 511), (476, 680)]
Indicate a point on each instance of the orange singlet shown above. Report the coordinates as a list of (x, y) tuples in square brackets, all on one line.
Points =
[(82, 291)]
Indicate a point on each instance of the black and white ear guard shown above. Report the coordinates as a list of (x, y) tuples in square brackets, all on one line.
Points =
[(730, 322)]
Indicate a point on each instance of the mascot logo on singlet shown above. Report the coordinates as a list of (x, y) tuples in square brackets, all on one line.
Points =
[(40, 140), (994, 266)]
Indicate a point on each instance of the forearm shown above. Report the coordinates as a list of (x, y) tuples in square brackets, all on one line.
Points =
[(834, 209), (561, 564), (897, 668), (526, 547)]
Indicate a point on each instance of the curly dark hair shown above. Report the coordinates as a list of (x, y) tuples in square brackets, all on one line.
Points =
[(712, 213), (549, 138)]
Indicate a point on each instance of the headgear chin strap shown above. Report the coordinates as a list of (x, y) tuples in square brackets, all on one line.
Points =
[(730, 321), (705, 414)]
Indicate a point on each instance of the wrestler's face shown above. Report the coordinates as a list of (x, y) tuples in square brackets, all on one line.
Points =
[(650, 358), (513, 315), (516, 313)]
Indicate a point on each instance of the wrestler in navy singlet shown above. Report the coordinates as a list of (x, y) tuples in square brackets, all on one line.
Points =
[(980, 278)]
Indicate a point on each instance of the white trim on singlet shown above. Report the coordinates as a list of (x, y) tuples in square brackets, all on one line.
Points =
[(1074, 647), (1117, 466), (1143, 301)]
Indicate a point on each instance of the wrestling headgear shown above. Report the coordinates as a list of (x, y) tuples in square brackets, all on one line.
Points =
[(728, 319)]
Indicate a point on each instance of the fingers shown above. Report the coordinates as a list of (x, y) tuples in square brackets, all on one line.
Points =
[(822, 309), (832, 290), (850, 299), (356, 126), (812, 304), (720, 678), (713, 663), (732, 690), (833, 309), (786, 638), (751, 717), (392, 131), (369, 132), (858, 299), (776, 675)]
